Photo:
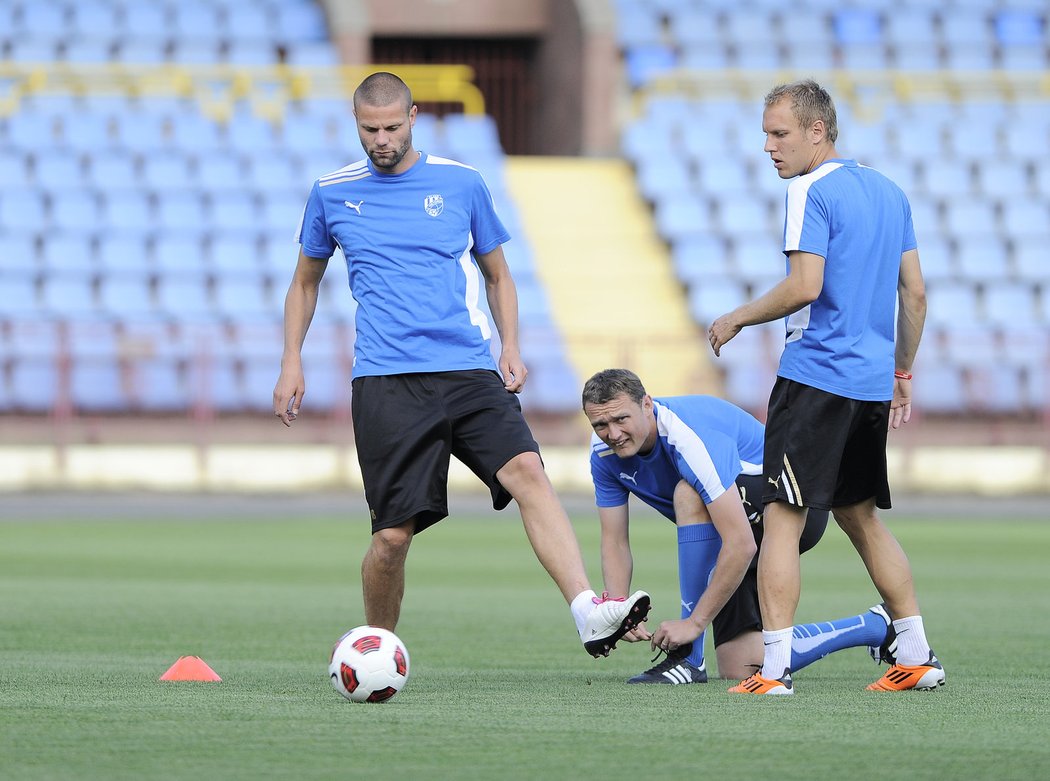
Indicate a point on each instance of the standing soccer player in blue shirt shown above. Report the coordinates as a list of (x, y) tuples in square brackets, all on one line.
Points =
[(844, 377), (422, 240), (697, 460)]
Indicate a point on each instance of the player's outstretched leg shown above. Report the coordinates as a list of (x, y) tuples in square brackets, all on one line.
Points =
[(611, 619)]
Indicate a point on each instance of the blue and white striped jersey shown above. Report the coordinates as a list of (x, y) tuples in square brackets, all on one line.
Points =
[(704, 440), (407, 239), (860, 223)]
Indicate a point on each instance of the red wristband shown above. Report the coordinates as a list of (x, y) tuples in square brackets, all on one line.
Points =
[(902, 375)]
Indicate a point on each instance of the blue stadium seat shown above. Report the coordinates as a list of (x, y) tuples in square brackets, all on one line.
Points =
[(711, 298), (20, 298), (196, 19), (171, 170), (185, 298), (966, 28), (221, 171), (911, 29), (946, 177), (699, 257), (14, 168), (233, 210), (68, 295), (270, 172), (91, 51), (34, 384), (743, 214), (1005, 178), (637, 25), (468, 133), (252, 22), (302, 21), (23, 210), (32, 131), (179, 254), (37, 17), (111, 169), (1025, 217), (1007, 303), (126, 296), (1019, 26), (939, 389), (181, 211), (856, 26), (981, 257), (937, 258), (18, 251), (250, 52), (282, 210), (645, 63), (758, 258), (682, 215), (970, 217), (158, 385), (74, 209), (951, 303), (1029, 259), (95, 18), (62, 252), (120, 252), (995, 389), (233, 253), (245, 298), (311, 54), (191, 51), (145, 21), (142, 51), (128, 211)]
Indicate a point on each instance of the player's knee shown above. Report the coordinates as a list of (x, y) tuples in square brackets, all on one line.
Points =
[(392, 543), (524, 473)]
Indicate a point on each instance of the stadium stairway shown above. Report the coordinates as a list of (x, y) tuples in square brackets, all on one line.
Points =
[(612, 289)]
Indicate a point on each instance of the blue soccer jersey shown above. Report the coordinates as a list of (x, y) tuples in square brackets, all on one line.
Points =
[(407, 239), (703, 440), (860, 223)]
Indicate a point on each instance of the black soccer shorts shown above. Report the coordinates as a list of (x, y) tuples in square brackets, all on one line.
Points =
[(823, 450), (406, 426)]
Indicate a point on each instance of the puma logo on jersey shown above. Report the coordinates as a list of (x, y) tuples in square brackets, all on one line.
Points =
[(625, 476), (775, 483), (355, 206)]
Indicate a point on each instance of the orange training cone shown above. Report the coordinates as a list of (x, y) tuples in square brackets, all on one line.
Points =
[(190, 668)]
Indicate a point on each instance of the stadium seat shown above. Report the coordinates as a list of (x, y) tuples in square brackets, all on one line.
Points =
[(941, 389), (946, 177), (111, 169), (20, 297), (713, 297), (951, 303), (681, 215), (23, 210), (982, 257), (220, 171), (145, 21), (185, 298), (233, 210), (644, 63), (244, 299), (74, 209), (1007, 302), (1030, 260), (68, 295), (158, 385), (637, 25), (89, 51), (663, 179), (973, 216), (180, 212), (179, 254), (1027, 217), (758, 258), (936, 256), (1004, 179), (125, 296), (34, 385), (65, 251), (1017, 26), (995, 389), (128, 211), (743, 214), (699, 257), (855, 26), (172, 170), (250, 22)]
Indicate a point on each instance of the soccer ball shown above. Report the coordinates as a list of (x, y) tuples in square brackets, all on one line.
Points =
[(369, 664)]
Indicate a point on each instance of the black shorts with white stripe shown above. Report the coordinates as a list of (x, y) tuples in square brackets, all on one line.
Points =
[(823, 450)]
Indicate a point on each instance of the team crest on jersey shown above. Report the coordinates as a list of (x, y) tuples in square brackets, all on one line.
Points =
[(434, 205)]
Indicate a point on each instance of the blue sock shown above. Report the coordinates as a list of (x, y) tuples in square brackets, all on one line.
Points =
[(811, 642), (698, 548)]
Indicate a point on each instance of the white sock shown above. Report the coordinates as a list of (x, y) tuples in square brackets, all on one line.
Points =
[(581, 607), (912, 646), (777, 652)]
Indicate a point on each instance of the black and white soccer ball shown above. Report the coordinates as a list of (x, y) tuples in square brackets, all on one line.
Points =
[(369, 664)]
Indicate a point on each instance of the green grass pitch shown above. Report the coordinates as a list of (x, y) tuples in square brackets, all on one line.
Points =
[(92, 612)]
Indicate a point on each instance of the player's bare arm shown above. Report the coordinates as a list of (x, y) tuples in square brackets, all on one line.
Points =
[(800, 287), (503, 303), (738, 549), (617, 559), (911, 316), (299, 305)]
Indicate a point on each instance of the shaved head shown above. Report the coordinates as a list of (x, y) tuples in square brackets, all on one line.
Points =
[(383, 89)]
